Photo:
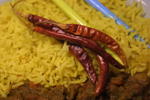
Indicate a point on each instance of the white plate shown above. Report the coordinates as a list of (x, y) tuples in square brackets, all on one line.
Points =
[(146, 5), (1, 1)]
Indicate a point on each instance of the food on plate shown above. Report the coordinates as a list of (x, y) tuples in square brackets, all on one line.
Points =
[(28, 55)]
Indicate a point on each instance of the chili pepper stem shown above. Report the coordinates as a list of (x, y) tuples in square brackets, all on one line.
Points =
[(17, 12), (21, 16)]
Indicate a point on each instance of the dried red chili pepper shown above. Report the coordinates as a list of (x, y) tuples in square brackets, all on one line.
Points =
[(97, 35), (83, 36), (100, 84), (85, 60), (43, 22), (81, 30), (61, 35), (54, 29), (75, 29)]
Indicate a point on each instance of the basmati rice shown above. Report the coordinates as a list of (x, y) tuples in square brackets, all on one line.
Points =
[(27, 55)]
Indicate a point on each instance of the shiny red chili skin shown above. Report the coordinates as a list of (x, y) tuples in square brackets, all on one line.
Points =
[(97, 35), (61, 35), (85, 60), (81, 30), (104, 68)]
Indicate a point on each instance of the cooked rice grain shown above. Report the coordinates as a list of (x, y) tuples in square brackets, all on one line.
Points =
[(27, 55)]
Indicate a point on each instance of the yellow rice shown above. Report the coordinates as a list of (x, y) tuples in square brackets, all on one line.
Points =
[(27, 55)]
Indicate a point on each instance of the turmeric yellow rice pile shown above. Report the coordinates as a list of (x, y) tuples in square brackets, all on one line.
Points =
[(27, 55)]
